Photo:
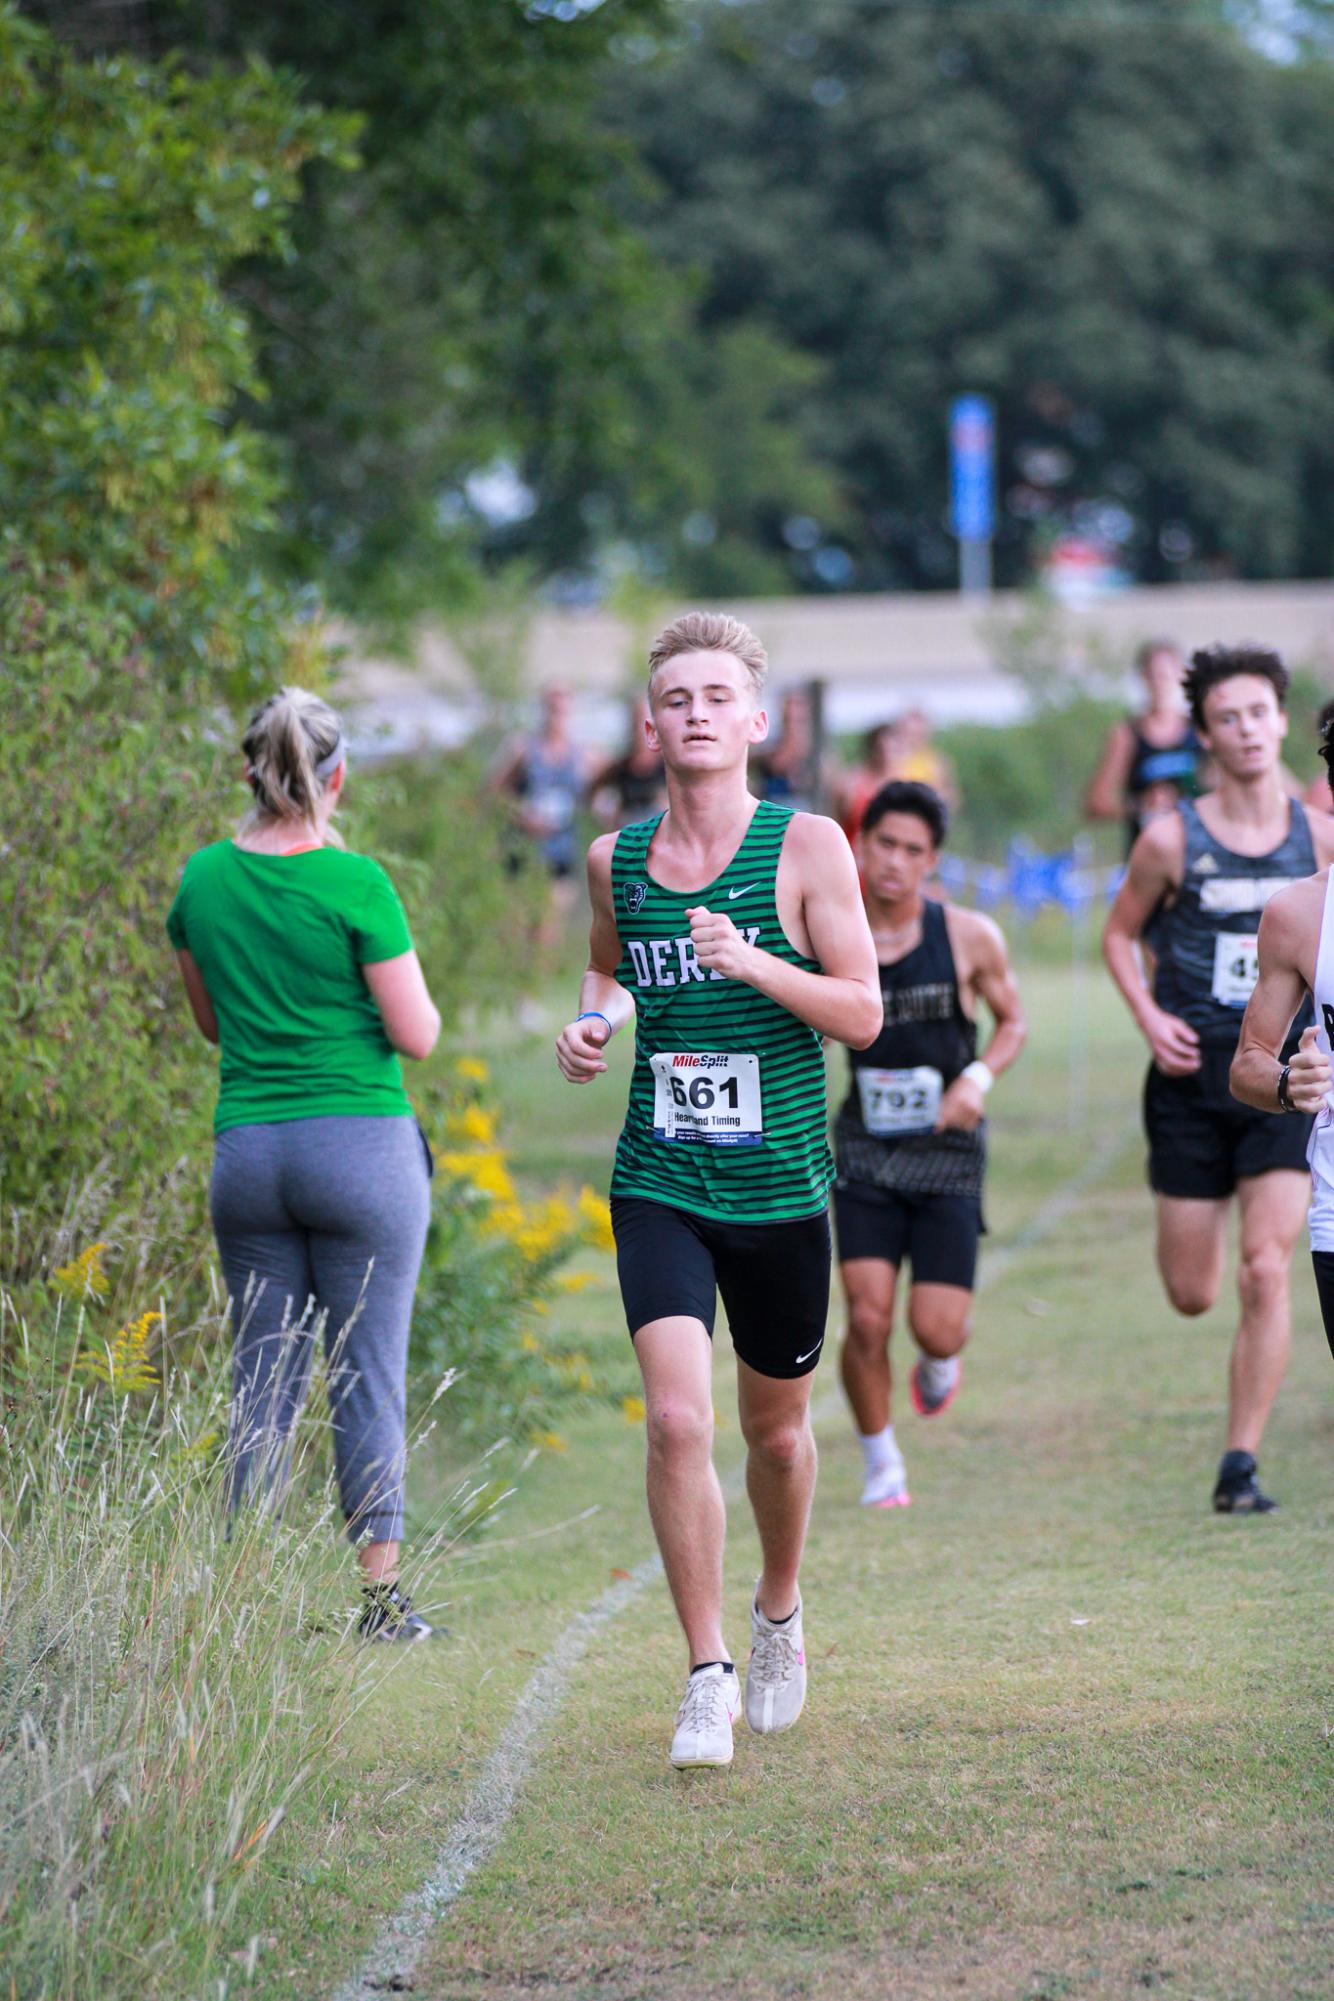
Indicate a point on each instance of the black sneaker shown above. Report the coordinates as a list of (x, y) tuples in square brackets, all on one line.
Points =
[(1238, 1491), (389, 1615)]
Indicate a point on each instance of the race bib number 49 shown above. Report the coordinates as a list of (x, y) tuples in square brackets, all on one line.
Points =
[(1236, 968), (897, 1102), (704, 1098)]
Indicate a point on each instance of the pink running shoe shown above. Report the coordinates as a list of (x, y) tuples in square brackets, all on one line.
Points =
[(935, 1384)]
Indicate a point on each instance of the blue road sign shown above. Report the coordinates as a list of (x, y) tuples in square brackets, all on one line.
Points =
[(973, 468)]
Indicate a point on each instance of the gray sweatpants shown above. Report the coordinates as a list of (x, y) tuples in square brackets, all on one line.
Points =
[(320, 1226)]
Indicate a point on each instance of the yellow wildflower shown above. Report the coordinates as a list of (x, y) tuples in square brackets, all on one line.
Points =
[(486, 1171), (123, 1362), (474, 1124), (490, 1176), (575, 1281), (530, 1344), (632, 1409), (596, 1218), (201, 1447), (472, 1069), (536, 1231), (550, 1441), (84, 1274), (576, 1371)]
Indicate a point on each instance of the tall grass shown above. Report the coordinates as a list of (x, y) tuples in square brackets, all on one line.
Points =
[(165, 1691)]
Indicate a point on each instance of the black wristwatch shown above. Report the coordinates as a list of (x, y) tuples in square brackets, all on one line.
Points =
[(1285, 1103)]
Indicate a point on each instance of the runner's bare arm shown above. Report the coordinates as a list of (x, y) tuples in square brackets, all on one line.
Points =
[(1156, 862), (1278, 993), (201, 1007), (580, 1043), (987, 976), (843, 998), (1105, 798)]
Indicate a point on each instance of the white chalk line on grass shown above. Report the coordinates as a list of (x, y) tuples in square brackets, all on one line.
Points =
[(476, 1834)]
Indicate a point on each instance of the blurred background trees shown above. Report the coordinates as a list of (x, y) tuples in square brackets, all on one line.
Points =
[(682, 291)]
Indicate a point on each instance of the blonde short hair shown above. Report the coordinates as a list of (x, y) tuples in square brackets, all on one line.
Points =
[(710, 632)]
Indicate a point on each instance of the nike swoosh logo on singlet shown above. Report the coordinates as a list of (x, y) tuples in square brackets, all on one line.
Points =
[(740, 892)]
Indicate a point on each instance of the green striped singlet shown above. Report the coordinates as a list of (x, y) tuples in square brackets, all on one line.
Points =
[(729, 1120)]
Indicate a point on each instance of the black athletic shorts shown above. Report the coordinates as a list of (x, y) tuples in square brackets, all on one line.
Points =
[(774, 1279), (1324, 1285), (1203, 1141), (937, 1233)]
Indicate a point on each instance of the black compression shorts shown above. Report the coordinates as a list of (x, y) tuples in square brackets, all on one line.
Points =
[(937, 1233), (1203, 1141), (774, 1279), (1324, 1285)]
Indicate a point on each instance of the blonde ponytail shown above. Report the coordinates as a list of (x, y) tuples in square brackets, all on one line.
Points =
[(293, 746)]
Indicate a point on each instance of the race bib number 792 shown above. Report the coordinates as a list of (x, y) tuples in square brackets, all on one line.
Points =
[(707, 1098)]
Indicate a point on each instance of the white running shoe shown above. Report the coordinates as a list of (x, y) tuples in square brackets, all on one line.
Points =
[(776, 1677), (704, 1720), (887, 1486)]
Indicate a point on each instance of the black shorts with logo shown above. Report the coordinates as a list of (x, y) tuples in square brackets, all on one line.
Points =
[(1203, 1141), (774, 1279), (938, 1234)]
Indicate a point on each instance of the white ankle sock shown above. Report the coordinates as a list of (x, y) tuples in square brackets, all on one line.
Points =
[(879, 1449)]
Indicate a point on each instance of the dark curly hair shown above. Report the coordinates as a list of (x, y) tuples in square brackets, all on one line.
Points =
[(1212, 664), (1324, 723), (907, 795)]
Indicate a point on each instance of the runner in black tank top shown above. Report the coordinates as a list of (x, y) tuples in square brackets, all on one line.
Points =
[(1202, 876), (909, 1139)]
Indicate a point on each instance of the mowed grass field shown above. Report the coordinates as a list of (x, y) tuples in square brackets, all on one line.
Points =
[(1068, 1733)]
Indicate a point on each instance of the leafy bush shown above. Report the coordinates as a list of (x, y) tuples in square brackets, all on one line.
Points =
[(493, 1262), (105, 786)]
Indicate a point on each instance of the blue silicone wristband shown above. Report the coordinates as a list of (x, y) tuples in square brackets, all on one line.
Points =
[(595, 1014)]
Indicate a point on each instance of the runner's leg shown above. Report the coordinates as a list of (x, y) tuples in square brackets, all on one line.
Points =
[(1192, 1245), (1273, 1209), (780, 1477), (940, 1318), (868, 1286), (685, 1500)]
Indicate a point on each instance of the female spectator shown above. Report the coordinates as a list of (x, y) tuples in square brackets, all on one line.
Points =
[(1153, 759), (298, 963), (632, 787), (881, 759)]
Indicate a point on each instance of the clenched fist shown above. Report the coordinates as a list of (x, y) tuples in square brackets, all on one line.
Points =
[(1309, 1075), (719, 946), (579, 1049)]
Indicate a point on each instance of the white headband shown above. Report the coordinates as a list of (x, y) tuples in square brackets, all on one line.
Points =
[(328, 765)]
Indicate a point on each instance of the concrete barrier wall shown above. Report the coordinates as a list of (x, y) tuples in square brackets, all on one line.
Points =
[(878, 654)]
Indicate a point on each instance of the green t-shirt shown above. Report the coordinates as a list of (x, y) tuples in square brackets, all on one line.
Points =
[(280, 941)]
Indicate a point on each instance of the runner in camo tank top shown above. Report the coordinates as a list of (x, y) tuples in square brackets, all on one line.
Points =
[(1202, 876), (732, 932)]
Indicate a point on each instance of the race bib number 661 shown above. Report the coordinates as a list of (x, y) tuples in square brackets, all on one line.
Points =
[(707, 1098)]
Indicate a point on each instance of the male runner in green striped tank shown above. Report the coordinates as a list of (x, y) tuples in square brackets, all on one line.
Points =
[(733, 931)]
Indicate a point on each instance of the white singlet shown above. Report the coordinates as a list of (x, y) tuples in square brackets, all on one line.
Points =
[(1320, 1152)]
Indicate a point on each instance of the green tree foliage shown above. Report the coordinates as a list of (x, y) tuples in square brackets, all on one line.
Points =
[(131, 602), (471, 357), (126, 191), (1118, 220)]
